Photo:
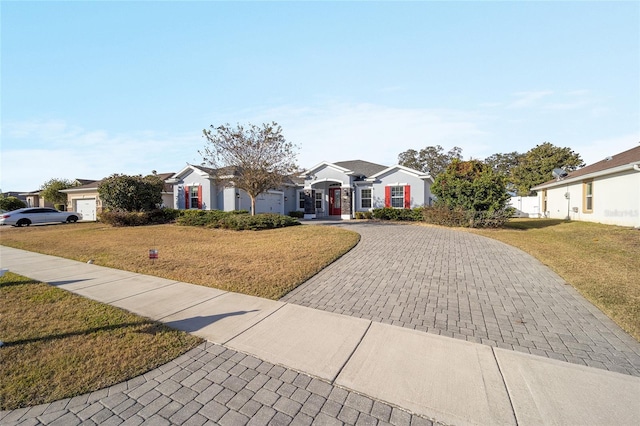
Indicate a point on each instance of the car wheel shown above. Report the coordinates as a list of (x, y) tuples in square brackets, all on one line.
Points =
[(23, 222), (72, 219)]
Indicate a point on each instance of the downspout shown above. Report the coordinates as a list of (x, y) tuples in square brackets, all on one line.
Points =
[(636, 167)]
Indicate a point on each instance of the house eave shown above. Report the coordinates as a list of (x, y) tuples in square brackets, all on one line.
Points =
[(568, 180), (70, 190)]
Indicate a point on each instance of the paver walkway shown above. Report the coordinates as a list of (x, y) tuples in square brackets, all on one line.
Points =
[(213, 385), (469, 287)]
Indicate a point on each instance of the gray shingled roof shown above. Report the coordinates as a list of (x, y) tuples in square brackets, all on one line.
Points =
[(362, 168)]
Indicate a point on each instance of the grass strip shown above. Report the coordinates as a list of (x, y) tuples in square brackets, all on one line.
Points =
[(58, 345)]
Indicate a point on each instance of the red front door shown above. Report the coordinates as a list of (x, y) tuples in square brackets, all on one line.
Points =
[(334, 202)]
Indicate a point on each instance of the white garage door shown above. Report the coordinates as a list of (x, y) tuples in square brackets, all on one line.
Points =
[(269, 203), (87, 208)]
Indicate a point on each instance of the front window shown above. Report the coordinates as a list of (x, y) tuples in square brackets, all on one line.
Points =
[(365, 198), (397, 196), (300, 200), (319, 200), (193, 197)]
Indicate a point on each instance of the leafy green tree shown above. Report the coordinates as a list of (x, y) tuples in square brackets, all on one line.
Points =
[(11, 203), (503, 163), (131, 193), (50, 190), (471, 185), (536, 165), (257, 157), (431, 159)]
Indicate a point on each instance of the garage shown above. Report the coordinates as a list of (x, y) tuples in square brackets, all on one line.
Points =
[(87, 208), (270, 202)]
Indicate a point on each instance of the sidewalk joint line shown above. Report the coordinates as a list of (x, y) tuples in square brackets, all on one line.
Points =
[(352, 353), (504, 382), (189, 307), (138, 294), (253, 325), (87, 286)]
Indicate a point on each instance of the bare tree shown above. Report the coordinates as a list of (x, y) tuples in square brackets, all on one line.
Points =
[(254, 159)]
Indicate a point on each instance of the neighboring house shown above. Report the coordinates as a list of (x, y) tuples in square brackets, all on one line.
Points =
[(339, 190), (31, 199), (606, 192), (525, 206), (327, 190), (196, 187), (85, 199)]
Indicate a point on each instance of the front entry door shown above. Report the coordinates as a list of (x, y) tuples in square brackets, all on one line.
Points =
[(334, 202)]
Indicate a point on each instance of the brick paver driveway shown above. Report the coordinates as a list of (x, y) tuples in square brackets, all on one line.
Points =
[(469, 287)]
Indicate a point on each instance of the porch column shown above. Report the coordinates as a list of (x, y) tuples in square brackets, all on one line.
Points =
[(309, 203), (345, 204)]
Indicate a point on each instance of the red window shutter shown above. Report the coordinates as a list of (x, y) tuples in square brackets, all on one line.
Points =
[(407, 197), (200, 197), (186, 197), (387, 196)]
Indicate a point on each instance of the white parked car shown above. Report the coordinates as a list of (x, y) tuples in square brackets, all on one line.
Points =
[(29, 215)]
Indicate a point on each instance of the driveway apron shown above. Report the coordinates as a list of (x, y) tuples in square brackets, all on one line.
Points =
[(469, 287)]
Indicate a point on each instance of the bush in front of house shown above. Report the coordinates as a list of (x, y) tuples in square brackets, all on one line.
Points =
[(459, 217), (238, 220), (297, 214), (364, 215), (389, 213), (153, 217), (200, 217), (11, 203), (117, 218), (243, 222), (444, 216)]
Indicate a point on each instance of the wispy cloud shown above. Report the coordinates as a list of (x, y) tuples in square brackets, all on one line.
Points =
[(528, 99), (35, 151), (344, 131)]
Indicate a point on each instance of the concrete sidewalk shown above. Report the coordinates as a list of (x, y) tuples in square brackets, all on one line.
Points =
[(447, 380)]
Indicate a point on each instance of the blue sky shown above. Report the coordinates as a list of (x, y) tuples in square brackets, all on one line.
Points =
[(95, 88)]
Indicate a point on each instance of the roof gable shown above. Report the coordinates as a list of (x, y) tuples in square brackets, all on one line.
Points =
[(326, 164), (361, 167), (188, 169), (403, 169), (352, 167)]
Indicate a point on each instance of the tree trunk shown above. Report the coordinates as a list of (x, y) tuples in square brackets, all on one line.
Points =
[(253, 205)]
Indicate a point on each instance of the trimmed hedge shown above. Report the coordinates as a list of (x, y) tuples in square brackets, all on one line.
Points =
[(389, 213), (243, 222), (237, 220), (200, 217), (153, 217), (296, 214)]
